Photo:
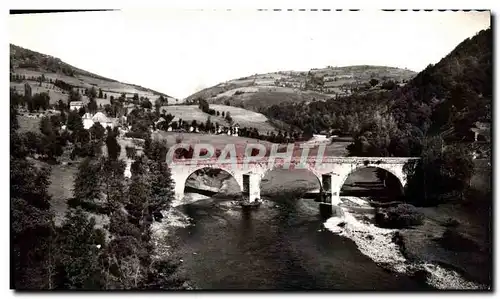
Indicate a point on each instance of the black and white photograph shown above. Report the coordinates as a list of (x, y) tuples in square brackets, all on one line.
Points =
[(251, 149)]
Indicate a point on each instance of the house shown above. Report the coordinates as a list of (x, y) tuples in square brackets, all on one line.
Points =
[(159, 121), (75, 105), (320, 137), (103, 120), (236, 127), (89, 120)]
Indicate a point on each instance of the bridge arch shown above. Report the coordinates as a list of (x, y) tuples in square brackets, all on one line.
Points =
[(182, 174), (386, 167), (309, 169)]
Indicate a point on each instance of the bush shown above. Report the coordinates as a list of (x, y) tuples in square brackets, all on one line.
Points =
[(451, 223), (456, 241), (89, 206), (400, 216)]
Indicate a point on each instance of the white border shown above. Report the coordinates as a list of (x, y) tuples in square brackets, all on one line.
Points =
[(192, 4)]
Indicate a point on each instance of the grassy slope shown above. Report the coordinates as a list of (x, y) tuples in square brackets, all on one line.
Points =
[(80, 78), (260, 90)]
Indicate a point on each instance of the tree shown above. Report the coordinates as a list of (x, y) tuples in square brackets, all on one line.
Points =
[(32, 229), (75, 122), (92, 93), (162, 188), (441, 173), (92, 106), (155, 150), (108, 110), (61, 106), (146, 104), (229, 118), (373, 82), (113, 147), (203, 105), (208, 124), (158, 104), (139, 195), (113, 181), (87, 181), (74, 95), (46, 126), (79, 244), (308, 132), (97, 131), (40, 100)]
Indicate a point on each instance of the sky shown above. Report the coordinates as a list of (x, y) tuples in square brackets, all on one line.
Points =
[(179, 52)]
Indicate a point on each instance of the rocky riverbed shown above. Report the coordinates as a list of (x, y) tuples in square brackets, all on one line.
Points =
[(416, 251)]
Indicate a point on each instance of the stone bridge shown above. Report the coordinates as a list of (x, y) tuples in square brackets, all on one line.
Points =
[(331, 172)]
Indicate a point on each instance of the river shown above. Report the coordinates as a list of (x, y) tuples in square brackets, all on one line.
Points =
[(282, 245), (286, 245)]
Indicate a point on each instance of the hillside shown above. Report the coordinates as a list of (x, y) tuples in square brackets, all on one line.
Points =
[(447, 98), (458, 89), (262, 90), (28, 65)]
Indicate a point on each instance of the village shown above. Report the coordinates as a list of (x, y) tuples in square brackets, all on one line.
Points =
[(120, 122)]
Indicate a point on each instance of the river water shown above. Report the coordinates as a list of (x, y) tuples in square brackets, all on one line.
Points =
[(285, 244), (282, 245)]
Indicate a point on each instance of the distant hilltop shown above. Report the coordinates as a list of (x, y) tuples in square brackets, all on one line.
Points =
[(263, 90)]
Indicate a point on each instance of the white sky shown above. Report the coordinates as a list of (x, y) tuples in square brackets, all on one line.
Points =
[(179, 52)]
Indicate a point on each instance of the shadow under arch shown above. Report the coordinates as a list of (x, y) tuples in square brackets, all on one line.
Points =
[(278, 180), (371, 181), (210, 181)]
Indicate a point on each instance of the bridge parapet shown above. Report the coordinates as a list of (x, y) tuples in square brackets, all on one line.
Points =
[(297, 161)]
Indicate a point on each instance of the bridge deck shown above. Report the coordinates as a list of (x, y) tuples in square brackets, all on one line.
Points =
[(297, 160)]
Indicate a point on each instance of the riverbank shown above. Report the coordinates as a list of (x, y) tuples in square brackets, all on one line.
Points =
[(454, 236), (413, 251)]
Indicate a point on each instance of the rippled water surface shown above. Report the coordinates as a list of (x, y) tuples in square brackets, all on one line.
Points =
[(282, 245)]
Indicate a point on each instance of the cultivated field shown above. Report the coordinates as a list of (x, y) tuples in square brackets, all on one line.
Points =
[(242, 117)]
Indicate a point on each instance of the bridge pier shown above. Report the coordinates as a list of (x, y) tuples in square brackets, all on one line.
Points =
[(330, 203), (180, 184), (251, 186)]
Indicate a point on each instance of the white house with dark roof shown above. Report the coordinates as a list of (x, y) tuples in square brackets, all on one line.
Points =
[(89, 120), (75, 105)]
